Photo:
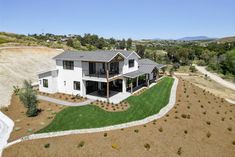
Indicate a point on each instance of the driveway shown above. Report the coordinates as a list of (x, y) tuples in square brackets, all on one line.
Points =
[(216, 78), (6, 126)]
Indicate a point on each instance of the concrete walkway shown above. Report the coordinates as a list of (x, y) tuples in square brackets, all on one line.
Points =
[(161, 113), (6, 127), (65, 103), (216, 78)]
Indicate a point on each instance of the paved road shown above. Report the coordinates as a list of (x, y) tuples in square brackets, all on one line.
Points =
[(216, 78), (65, 103), (6, 126)]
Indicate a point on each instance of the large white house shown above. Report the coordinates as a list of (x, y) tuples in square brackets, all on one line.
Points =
[(101, 75)]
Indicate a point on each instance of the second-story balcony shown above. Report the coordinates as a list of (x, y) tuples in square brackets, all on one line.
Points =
[(94, 70)]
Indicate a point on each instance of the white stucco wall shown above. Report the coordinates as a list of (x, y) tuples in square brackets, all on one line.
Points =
[(52, 85), (126, 68), (67, 77)]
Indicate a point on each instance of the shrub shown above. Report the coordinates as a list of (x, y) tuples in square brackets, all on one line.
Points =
[(147, 146), (105, 134), (185, 131), (179, 151), (208, 123), (160, 129), (28, 97), (192, 69), (183, 115), (47, 145), (229, 129), (233, 142), (136, 130), (208, 134), (16, 90), (81, 144)]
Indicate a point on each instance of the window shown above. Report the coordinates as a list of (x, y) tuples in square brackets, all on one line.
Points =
[(45, 83), (131, 63), (76, 85), (68, 65)]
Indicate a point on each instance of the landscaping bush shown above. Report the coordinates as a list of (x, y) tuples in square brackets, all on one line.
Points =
[(81, 144), (47, 145), (147, 146), (28, 97), (192, 69)]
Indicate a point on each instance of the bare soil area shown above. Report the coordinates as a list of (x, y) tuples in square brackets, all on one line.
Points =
[(64, 97), (210, 85), (20, 63), (27, 125), (200, 124)]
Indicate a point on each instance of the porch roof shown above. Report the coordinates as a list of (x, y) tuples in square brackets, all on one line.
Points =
[(134, 74)]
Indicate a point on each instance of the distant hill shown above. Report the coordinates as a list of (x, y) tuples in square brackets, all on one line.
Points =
[(226, 39), (194, 38)]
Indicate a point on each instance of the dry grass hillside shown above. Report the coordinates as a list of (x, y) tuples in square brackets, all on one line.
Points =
[(20, 63)]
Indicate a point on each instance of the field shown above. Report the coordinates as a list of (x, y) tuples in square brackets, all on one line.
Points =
[(18, 64), (200, 124)]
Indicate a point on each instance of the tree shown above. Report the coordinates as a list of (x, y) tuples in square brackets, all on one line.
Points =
[(140, 49), (70, 42), (122, 44), (29, 99), (128, 44)]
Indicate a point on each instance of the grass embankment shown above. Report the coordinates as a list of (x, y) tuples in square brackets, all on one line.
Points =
[(148, 103)]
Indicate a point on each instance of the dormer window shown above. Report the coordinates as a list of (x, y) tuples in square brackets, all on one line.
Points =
[(68, 65), (131, 63)]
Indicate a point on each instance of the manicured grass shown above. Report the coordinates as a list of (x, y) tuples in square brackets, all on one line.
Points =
[(148, 103)]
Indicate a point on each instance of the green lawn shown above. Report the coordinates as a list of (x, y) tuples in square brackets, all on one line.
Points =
[(148, 103)]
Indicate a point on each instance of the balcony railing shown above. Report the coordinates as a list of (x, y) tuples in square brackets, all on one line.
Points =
[(100, 74)]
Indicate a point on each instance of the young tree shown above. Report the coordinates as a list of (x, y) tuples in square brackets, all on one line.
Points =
[(128, 44), (28, 97)]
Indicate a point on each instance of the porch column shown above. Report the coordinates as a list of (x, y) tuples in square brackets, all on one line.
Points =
[(131, 86), (124, 85), (157, 75), (83, 85), (137, 81), (147, 78), (107, 78)]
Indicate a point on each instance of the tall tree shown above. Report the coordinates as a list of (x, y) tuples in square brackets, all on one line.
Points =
[(128, 43), (140, 49)]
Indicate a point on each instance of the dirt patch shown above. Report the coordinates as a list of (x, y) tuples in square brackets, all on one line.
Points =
[(27, 125), (18, 64), (64, 97), (200, 124), (210, 85)]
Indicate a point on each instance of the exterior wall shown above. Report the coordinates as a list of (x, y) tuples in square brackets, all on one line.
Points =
[(67, 77), (64, 82), (126, 68), (52, 85)]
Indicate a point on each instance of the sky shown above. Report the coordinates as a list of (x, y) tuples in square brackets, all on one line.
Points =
[(137, 19)]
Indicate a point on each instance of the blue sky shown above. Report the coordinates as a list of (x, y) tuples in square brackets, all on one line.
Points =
[(138, 19)]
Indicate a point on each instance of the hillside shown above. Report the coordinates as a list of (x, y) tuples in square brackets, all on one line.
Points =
[(226, 39)]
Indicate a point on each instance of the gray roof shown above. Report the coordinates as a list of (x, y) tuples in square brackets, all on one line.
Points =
[(146, 66), (53, 73), (98, 56), (134, 74)]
